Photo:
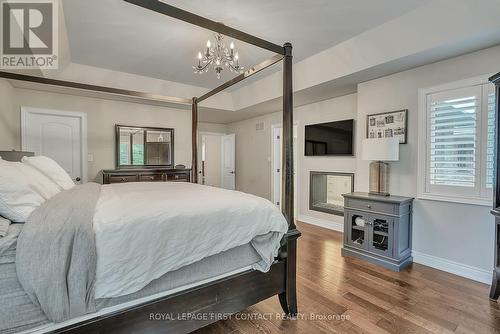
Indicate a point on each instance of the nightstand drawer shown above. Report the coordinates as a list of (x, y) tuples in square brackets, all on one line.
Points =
[(123, 178), (181, 177), (151, 178), (371, 206)]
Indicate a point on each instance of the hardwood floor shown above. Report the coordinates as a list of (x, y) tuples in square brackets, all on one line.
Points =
[(370, 299)]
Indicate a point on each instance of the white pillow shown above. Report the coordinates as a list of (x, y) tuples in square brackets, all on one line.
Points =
[(17, 197), (38, 181), (51, 169)]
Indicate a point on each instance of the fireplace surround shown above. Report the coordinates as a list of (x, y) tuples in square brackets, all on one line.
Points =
[(326, 189)]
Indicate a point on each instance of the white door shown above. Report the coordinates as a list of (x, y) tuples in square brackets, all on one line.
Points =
[(59, 135), (210, 162), (228, 162)]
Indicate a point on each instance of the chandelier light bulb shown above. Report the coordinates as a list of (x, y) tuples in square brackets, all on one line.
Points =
[(218, 57)]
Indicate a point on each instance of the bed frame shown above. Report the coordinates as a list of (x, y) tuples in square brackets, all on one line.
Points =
[(202, 305)]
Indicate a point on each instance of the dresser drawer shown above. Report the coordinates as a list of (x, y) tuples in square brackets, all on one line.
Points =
[(151, 178), (180, 177), (371, 206), (123, 178)]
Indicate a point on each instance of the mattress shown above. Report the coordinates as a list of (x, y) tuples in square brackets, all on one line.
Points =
[(18, 313)]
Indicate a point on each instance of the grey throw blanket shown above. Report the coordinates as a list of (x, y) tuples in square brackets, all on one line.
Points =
[(4, 227), (56, 254)]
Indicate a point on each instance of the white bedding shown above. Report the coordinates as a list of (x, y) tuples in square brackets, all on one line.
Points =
[(144, 230)]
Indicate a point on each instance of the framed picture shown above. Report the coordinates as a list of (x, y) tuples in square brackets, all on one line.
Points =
[(388, 125)]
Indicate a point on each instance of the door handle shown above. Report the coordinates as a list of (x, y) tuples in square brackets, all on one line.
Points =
[(232, 172)]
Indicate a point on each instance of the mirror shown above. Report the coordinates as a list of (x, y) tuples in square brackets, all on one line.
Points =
[(138, 147)]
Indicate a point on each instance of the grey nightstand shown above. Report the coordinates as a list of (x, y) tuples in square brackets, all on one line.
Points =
[(378, 229)]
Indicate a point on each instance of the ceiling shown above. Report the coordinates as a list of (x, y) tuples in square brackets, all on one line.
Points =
[(116, 35)]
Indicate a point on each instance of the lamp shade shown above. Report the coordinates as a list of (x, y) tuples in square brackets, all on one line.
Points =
[(380, 149)]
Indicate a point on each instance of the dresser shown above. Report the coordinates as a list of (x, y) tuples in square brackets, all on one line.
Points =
[(146, 175), (378, 229), (495, 285)]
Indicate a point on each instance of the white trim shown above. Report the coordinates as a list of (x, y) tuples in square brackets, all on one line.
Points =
[(200, 147), (331, 225), (422, 142), (460, 269), (211, 133), (461, 200), (25, 110)]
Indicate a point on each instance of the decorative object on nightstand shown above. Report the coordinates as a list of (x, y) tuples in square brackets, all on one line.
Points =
[(378, 229), (378, 151)]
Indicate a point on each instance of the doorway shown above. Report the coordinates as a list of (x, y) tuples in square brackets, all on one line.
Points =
[(276, 165), (60, 135), (217, 160)]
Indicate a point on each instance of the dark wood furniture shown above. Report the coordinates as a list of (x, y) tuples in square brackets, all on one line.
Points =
[(146, 175), (495, 285), (378, 229), (420, 300), (236, 292)]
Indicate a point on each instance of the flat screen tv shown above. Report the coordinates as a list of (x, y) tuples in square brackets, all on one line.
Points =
[(332, 138)]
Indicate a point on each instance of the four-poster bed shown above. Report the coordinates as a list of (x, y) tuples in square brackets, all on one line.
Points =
[(235, 292)]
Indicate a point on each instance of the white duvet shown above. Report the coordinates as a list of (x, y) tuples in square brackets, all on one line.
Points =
[(144, 230)]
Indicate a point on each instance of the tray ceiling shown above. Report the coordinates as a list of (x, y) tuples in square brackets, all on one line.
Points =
[(116, 35)]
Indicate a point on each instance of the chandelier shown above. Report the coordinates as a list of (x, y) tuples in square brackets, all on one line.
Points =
[(218, 57)]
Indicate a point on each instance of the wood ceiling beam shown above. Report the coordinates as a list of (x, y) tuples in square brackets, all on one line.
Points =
[(95, 88), (180, 14), (248, 73)]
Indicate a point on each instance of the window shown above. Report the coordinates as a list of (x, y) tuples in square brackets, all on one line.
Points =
[(456, 144)]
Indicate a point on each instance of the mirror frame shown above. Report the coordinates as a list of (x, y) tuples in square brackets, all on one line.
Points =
[(145, 128)]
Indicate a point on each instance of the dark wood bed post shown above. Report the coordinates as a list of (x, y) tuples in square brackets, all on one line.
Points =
[(236, 292), (288, 299), (194, 129)]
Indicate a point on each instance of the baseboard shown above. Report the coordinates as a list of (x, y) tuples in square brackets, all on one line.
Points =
[(456, 268), (331, 225), (460, 269)]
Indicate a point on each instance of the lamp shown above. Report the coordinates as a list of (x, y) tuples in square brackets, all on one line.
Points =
[(378, 151)]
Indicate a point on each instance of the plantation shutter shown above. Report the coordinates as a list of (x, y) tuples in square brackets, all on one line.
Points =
[(490, 140), (453, 127)]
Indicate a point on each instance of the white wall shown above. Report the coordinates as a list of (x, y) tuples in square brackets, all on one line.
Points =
[(102, 115), (459, 233), (340, 108), (254, 148), (9, 122), (253, 154), (451, 236), (212, 127)]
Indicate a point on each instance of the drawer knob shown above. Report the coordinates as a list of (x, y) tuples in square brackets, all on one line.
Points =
[(368, 206), (124, 179)]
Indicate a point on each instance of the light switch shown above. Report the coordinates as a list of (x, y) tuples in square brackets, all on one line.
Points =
[(90, 158)]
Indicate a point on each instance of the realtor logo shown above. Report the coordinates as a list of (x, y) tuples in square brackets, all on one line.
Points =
[(29, 34)]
